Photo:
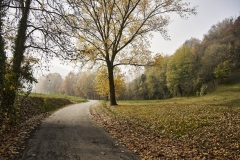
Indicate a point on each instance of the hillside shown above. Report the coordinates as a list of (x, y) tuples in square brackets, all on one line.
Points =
[(206, 127)]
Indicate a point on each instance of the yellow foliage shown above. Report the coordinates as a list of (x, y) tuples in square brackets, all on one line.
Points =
[(158, 60), (102, 82)]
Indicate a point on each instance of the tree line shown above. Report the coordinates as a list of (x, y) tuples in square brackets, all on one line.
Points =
[(86, 84), (192, 70), (195, 67)]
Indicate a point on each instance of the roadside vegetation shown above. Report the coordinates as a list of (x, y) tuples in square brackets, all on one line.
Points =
[(187, 127), (73, 99)]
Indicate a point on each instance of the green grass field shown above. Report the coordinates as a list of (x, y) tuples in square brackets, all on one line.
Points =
[(177, 117), (206, 127)]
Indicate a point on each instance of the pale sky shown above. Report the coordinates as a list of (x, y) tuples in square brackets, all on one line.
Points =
[(209, 12)]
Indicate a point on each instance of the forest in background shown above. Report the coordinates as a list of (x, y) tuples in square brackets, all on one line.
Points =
[(195, 68)]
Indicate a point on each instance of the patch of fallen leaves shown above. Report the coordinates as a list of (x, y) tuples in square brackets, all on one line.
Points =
[(12, 142), (210, 142)]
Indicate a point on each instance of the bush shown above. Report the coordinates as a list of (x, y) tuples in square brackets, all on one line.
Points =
[(203, 89)]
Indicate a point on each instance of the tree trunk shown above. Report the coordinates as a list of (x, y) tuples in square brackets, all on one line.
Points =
[(2, 60), (111, 85), (19, 47), (9, 95)]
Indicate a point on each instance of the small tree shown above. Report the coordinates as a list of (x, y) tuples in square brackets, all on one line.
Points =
[(102, 81), (85, 85), (153, 77), (68, 85), (222, 71)]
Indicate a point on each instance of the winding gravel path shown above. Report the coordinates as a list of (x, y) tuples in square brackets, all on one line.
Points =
[(71, 134)]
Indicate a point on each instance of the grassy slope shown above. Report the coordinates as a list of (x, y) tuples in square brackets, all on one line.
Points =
[(205, 127), (42, 103), (71, 98), (177, 116)]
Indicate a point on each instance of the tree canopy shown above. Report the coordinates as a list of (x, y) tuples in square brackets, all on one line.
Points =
[(180, 70), (117, 31)]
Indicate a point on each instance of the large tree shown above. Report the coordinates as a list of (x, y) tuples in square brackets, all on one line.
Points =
[(2, 53), (30, 32), (117, 31), (8, 94)]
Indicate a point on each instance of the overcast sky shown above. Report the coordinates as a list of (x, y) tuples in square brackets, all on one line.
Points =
[(209, 12)]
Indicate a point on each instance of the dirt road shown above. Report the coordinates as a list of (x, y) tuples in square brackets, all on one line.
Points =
[(71, 134)]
